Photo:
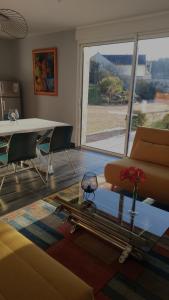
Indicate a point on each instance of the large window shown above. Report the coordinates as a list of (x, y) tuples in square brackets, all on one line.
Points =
[(112, 110)]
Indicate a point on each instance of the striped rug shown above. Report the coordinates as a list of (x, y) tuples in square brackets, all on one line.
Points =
[(38, 222)]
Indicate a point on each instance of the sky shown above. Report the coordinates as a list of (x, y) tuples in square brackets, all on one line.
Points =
[(152, 48)]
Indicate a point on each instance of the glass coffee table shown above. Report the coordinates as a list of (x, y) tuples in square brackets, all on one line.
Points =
[(109, 216)]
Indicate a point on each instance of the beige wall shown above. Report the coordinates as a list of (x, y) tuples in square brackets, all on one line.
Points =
[(144, 26), (8, 59), (57, 108)]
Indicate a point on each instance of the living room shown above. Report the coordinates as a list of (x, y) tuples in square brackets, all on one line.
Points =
[(99, 213)]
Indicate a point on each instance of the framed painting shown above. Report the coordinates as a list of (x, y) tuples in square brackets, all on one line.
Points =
[(45, 71)]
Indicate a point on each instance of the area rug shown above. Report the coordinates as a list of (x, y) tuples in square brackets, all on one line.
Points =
[(90, 258), (133, 280), (103, 251), (81, 261), (37, 222)]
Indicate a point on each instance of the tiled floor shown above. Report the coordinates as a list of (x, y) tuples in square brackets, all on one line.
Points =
[(28, 187)]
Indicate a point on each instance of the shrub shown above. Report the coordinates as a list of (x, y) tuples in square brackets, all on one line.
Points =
[(94, 95), (161, 124), (138, 119), (111, 86), (145, 90)]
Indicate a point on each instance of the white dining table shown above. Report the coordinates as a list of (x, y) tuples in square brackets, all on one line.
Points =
[(27, 125)]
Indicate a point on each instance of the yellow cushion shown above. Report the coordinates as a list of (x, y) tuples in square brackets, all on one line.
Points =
[(158, 154), (150, 135), (152, 156), (28, 273), (155, 185)]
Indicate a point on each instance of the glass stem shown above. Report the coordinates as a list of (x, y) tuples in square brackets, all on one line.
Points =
[(135, 190)]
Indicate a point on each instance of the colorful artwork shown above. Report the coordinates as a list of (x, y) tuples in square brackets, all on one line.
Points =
[(45, 71)]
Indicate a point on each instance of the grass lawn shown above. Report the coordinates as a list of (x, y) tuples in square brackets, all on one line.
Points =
[(106, 117)]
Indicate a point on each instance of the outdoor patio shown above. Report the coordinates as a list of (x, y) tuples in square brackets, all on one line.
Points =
[(106, 125)]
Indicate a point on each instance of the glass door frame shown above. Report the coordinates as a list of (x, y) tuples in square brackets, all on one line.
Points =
[(131, 96), (136, 38)]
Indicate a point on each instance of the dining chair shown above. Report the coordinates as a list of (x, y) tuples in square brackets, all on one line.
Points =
[(21, 148), (3, 143), (60, 140)]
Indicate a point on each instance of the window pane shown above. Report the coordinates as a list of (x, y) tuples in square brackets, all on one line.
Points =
[(106, 82), (151, 98)]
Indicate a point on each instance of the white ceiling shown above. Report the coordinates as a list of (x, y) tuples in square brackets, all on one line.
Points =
[(45, 16)]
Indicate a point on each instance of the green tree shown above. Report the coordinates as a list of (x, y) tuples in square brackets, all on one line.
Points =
[(145, 90), (160, 68), (97, 72), (110, 86), (162, 124), (94, 96), (94, 73)]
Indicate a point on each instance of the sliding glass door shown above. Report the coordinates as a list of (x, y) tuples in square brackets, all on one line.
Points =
[(151, 102), (125, 85), (106, 90)]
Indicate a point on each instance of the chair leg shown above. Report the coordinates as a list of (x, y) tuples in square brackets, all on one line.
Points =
[(16, 177), (37, 171), (70, 161), (14, 167), (2, 182), (48, 166), (21, 164)]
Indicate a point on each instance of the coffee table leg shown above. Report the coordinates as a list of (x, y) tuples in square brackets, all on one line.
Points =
[(125, 253), (73, 228)]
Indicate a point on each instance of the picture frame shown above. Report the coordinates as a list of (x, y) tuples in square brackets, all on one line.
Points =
[(45, 71)]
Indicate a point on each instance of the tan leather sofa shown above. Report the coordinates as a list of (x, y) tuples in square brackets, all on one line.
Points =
[(28, 273), (150, 152)]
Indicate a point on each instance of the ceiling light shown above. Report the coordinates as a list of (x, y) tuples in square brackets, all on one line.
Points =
[(13, 23)]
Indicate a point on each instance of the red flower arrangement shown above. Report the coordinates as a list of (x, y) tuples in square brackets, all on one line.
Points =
[(135, 176)]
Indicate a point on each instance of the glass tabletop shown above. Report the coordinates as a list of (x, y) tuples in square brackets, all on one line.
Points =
[(111, 208)]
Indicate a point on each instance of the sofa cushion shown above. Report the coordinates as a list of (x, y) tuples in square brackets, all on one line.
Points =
[(29, 273), (155, 185), (152, 156), (150, 152), (150, 135)]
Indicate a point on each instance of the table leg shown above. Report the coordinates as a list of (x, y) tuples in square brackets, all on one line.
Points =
[(125, 254), (73, 228)]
